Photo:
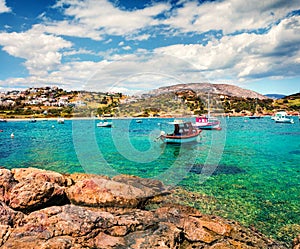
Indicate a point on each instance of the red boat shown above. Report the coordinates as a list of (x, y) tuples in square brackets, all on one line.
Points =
[(184, 132)]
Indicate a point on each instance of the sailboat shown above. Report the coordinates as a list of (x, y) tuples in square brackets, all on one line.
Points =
[(206, 122)]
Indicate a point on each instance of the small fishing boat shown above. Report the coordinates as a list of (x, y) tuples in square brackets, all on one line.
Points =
[(207, 123), (139, 121), (184, 132), (3, 120), (32, 120), (254, 117), (283, 117), (60, 121), (104, 124)]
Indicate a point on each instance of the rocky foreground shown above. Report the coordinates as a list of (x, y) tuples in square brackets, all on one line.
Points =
[(44, 209)]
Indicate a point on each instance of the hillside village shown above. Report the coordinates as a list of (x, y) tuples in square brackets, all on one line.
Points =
[(51, 102), (178, 100)]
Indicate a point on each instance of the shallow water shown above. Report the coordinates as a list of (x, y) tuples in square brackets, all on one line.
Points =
[(251, 167)]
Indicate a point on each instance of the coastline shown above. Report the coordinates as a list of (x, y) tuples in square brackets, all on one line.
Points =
[(45, 209), (259, 204), (116, 118)]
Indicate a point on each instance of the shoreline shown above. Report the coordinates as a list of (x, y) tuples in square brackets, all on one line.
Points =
[(84, 210), (118, 118)]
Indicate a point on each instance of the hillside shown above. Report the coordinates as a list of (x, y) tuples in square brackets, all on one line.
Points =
[(291, 102), (220, 89), (193, 99), (176, 100)]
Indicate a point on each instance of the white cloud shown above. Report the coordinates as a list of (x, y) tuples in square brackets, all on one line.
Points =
[(80, 51), (245, 55), (238, 57), (96, 18), (69, 28), (229, 16), (142, 37), (3, 7), (40, 51), (126, 48)]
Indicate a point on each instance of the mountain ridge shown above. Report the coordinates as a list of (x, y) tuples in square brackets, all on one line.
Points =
[(220, 89)]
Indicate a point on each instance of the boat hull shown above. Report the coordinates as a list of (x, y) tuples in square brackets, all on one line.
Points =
[(208, 125), (284, 120), (170, 139)]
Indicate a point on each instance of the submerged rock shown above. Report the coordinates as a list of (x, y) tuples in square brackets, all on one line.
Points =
[(107, 213)]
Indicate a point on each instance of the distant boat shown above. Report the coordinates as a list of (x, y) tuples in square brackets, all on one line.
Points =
[(32, 120), (184, 132), (106, 124), (254, 117), (207, 123), (283, 117), (60, 121), (139, 121), (3, 120)]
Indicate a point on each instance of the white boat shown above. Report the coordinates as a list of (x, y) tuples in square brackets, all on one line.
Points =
[(60, 121), (104, 124), (184, 132), (32, 120), (283, 117), (207, 123)]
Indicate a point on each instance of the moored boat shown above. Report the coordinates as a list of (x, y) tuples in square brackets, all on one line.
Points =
[(184, 132), (32, 120), (283, 117), (207, 123), (60, 121), (106, 124), (254, 117)]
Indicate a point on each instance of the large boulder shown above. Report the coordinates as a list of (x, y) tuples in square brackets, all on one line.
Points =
[(150, 187), (59, 226), (102, 192), (23, 174), (32, 194), (108, 213)]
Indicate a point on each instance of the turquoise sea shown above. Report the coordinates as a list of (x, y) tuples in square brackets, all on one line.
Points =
[(250, 168)]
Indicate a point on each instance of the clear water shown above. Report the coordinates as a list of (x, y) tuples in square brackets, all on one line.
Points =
[(252, 165)]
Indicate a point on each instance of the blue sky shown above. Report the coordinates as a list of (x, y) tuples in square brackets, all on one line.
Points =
[(136, 46)]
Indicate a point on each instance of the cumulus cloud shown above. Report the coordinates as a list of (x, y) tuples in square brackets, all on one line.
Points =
[(96, 18), (40, 51), (236, 55), (3, 7), (246, 55), (229, 16)]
